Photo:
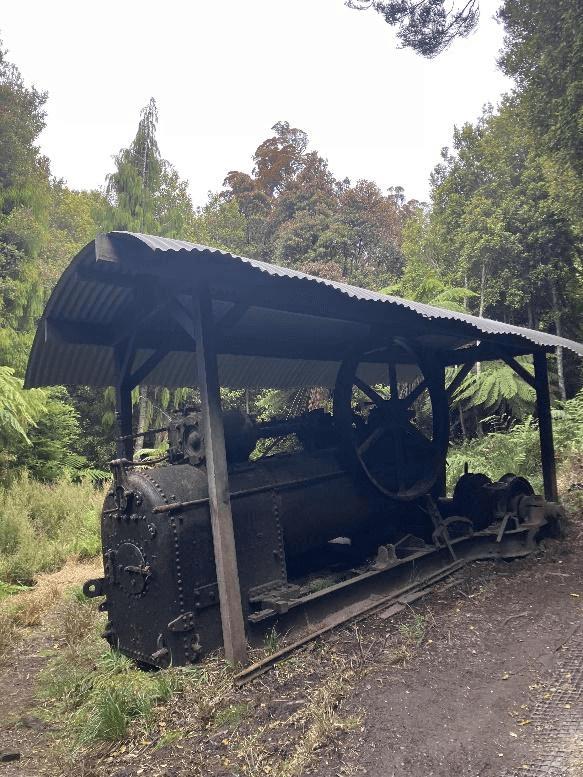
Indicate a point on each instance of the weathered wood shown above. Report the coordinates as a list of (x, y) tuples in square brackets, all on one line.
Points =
[(545, 426), (233, 625), (518, 369), (458, 379), (123, 402)]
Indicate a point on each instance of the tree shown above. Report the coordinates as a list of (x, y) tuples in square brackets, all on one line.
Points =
[(18, 408), (543, 52), (24, 203), (51, 451), (145, 192), (499, 230), (220, 224), (424, 25), (297, 213), (22, 119), (279, 158), (74, 218)]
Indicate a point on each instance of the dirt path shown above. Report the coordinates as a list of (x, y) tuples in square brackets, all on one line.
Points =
[(465, 704), (496, 677), (22, 734)]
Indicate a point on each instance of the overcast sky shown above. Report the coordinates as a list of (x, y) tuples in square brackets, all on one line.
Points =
[(224, 71)]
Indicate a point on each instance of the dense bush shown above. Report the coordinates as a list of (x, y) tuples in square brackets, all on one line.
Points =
[(518, 450), (42, 525)]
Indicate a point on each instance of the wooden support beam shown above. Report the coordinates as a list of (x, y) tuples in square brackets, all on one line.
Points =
[(518, 369), (232, 317), (234, 639), (142, 372), (458, 379), (484, 352), (545, 426), (123, 402), (440, 487)]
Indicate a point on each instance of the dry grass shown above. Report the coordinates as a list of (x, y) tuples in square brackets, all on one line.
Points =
[(28, 609)]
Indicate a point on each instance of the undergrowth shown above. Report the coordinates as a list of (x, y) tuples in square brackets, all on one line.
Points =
[(518, 450), (42, 525), (90, 694), (93, 692)]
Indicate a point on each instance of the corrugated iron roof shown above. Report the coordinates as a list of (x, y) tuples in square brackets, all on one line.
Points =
[(287, 328)]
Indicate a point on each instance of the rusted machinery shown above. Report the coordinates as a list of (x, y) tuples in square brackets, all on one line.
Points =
[(213, 545), (358, 496)]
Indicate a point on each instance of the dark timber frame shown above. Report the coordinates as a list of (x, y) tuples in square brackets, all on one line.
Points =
[(135, 308)]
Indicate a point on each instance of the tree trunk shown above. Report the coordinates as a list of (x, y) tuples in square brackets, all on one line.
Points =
[(482, 289), (461, 413), (559, 332)]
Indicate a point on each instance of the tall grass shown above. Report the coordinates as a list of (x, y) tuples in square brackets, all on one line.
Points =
[(92, 693), (42, 525)]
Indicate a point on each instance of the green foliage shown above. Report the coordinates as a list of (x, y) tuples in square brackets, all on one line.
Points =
[(496, 388), (21, 122), (50, 453), (74, 218), (220, 224), (293, 211), (98, 699), (544, 52), (41, 526), (92, 693), (495, 454), (272, 641), (18, 408), (518, 450), (145, 192), (232, 715), (496, 224), (24, 201), (414, 630), (11, 589), (568, 426), (96, 441), (271, 403)]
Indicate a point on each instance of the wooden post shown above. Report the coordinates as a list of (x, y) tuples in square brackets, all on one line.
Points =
[(440, 487), (545, 427), (123, 414), (234, 639), (123, 405)]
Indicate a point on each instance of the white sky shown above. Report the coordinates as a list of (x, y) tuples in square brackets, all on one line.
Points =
[(224, 71)]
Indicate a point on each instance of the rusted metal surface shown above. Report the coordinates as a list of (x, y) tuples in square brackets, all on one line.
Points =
[(410, 579), (162, 583)]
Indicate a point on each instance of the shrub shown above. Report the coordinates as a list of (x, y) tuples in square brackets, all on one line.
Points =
[(42, 525), (518, 450)]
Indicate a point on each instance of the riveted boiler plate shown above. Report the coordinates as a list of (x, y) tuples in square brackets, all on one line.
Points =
[(132, 570)]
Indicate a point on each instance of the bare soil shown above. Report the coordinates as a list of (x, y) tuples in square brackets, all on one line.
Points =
[(446, 687)]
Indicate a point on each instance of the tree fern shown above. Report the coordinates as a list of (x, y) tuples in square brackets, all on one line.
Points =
[(19, 408), (496, 388)]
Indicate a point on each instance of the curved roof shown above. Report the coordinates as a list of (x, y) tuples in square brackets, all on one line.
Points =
[(123, 301)]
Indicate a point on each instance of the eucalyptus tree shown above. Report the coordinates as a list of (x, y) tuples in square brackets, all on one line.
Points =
[(298, 214)]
